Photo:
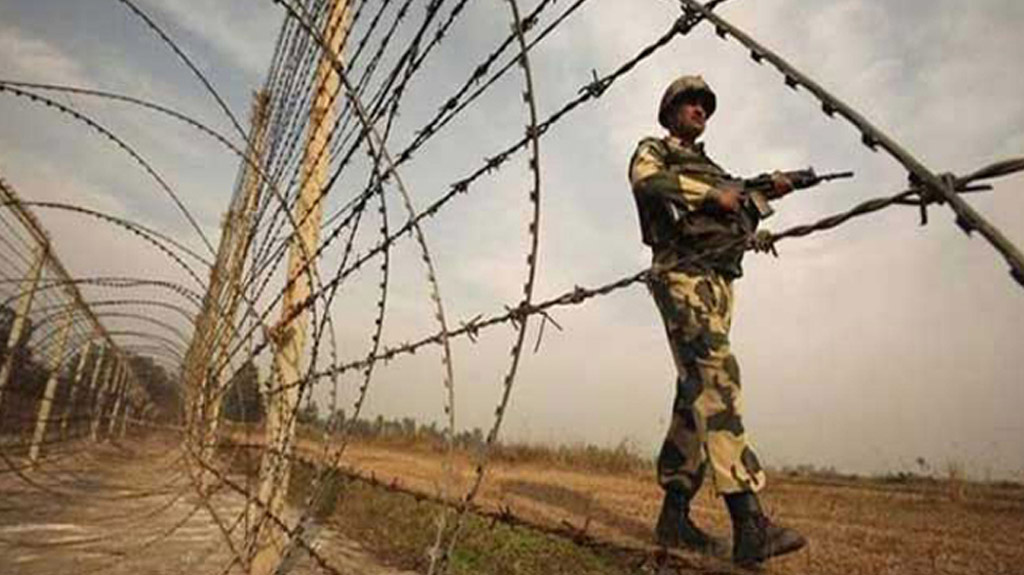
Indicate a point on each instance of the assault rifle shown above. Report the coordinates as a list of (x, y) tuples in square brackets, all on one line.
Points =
[(758, 190), (659, 218)]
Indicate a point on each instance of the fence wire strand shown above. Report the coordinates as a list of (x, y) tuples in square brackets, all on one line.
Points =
[(143, 368)]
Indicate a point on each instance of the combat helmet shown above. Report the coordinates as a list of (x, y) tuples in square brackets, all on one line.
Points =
[(684, 85)]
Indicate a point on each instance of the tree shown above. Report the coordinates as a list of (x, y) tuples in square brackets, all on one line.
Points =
[(26, 380), (242, 401), (310, 414), (162, 390), (336, 421)]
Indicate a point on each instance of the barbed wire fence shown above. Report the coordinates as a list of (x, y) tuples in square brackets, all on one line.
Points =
[(267, 298), (63, 375)]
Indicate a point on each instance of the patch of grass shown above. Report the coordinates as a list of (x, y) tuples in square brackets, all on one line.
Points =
[(400, 530), (1008, 485), (620, 460), (330, 486), (624, 458)]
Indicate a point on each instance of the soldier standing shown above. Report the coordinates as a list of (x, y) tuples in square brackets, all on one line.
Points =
[(698, 228)]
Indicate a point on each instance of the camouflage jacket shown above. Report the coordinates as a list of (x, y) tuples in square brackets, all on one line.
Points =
[(675, 189)]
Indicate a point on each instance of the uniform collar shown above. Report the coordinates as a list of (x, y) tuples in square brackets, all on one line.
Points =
[(675, 141)]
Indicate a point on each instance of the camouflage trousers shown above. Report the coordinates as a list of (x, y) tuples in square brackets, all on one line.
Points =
[(707, 427)]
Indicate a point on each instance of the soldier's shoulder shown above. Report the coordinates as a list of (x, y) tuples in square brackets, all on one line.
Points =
[(654, 141), (652, 144)]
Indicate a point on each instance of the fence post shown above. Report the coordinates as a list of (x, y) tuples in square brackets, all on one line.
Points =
[(269, 540), (129, 407), (46, 402), (92, 395), (101, 397), (76, 385), (119, 396), (27, 292), (226, 290)]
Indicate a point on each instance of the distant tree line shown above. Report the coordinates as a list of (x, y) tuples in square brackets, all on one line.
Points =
[(243, 404), (29, 376), (402, 429), (160, 386)]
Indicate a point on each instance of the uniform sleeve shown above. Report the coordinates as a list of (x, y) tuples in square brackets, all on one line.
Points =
[(651, 178)]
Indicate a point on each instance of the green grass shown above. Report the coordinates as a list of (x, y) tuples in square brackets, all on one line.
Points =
[(399, 530)]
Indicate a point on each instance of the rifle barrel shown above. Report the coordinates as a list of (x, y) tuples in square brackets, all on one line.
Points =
[(837, 176)]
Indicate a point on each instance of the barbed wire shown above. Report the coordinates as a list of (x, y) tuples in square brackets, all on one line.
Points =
[(967, 218), (208, 342)]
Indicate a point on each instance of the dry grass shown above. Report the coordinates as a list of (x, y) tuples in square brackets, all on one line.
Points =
[(398, 529), (900, 525), (622, 459)]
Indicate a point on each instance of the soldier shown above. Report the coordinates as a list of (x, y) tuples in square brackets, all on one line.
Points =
[(698, 228)]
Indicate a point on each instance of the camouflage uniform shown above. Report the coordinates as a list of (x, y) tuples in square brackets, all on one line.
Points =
[(697, 254)]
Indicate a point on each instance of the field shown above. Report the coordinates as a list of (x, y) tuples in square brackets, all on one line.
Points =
[(894, 525)]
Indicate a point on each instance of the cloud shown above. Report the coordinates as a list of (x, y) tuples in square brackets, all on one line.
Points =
[(171, 147), (34, 59), (235, 31), (881, 330)]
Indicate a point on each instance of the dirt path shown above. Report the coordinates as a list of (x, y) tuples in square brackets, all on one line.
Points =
[(131, 509), (854, 526)]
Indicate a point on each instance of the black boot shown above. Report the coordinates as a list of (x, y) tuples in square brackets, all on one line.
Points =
[(754, 537), (676, 530)]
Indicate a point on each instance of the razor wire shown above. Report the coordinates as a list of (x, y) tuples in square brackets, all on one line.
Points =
[(398, 46)]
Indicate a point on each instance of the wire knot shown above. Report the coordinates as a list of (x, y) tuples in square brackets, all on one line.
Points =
[(596, 88), (472, 329)]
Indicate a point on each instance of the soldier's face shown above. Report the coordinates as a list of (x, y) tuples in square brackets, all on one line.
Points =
[(691, 118)]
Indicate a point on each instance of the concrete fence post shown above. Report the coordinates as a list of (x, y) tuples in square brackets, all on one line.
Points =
[(76, 386), (27, 292), (46, 402)]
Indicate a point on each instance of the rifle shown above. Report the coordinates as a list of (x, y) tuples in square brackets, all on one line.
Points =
[(758, 190), (667, 211)]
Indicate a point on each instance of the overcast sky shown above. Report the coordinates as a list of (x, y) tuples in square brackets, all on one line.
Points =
[(863, 348)]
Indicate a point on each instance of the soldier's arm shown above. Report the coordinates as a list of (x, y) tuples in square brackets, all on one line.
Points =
[(651, 178)]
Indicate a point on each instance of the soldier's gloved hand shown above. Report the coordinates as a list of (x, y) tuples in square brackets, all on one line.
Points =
[(763, 242)]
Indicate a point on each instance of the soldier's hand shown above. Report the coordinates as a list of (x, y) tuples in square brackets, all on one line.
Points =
[(728, 199), (781, 185), (764, 242)]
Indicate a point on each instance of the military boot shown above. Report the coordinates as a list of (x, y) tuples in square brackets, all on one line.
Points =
[(754, 537), (675, 529)]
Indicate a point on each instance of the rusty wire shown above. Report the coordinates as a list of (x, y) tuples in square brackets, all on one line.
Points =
[(391, 52)]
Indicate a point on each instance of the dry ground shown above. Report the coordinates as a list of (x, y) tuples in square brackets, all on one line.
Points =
[(855, 526), (130, 508)]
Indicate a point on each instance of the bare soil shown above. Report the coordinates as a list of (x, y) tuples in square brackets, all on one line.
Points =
[(131, 508), (855, 525)]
